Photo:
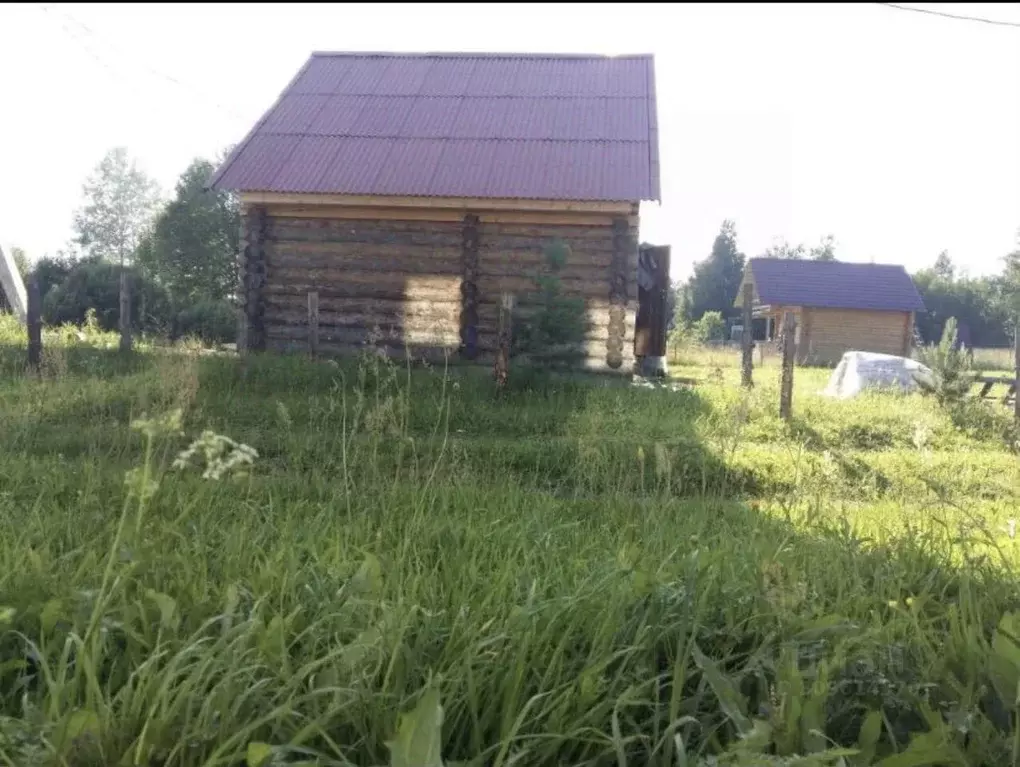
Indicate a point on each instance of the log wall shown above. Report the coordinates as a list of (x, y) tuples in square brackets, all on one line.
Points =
[(434, 285), (510, 255)]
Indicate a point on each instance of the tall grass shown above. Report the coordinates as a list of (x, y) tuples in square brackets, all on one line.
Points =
[(412, 569)]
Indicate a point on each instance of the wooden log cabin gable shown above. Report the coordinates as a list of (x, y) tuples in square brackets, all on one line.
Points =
[(398, 264)]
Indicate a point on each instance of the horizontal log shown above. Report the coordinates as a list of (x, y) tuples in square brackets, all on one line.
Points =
[(342, 249), (363, 335), (546, 232), (586, 348), (488, 330), (394, 351), (594, 317), (521, 284), (438, 215), (525, 299), (451, 229), (537, 245), (533, 258), (398, 352), (547, 219), (327, 276), (588, 289), (362, 232), (458, 203), (342, 212), (491, 267), (291, 316), (397, 287), (396, 307), (413, 264), (391, 292)]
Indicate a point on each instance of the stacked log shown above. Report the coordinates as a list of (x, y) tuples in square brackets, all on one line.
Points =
[(388, 284), (436, 285), (511, 255)]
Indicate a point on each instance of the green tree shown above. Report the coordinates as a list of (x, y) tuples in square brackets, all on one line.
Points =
[(21, 261), (1009, 285), (711, 327), (979, 303), (550, 325), (825, 250), (783, 249), (96, 285), (944, 267), (50, 271), (950, 366), (120, 200), (714, 284), (192, 248)]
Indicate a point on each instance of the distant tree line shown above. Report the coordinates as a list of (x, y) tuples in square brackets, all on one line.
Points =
[(182, 258), (984, 307), (181, 254)]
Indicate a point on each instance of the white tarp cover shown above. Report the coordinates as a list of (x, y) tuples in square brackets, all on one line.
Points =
[(858, 371), (12, 286)]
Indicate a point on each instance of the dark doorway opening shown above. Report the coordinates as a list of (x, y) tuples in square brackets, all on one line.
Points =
[(652, 318)]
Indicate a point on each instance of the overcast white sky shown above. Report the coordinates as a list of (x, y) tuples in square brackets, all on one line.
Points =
[(897, 132)]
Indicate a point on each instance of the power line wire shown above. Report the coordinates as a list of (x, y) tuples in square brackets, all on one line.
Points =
[(943, 14), (155, 72), (96, 58)]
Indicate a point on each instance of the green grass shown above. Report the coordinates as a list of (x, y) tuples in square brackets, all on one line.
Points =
[(576, 572)]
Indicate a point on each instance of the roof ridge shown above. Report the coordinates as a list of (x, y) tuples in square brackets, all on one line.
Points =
[(835, 262), (369, 94), (303, 134), (485, 55)]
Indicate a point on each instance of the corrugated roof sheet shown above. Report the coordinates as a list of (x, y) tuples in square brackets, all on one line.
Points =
[(834, 285), (458, 125)]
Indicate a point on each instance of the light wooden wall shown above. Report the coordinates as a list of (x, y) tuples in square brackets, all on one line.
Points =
[(828, 333)]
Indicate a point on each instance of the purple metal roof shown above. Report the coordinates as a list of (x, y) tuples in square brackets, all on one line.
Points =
[(535, 126), (834, 285)]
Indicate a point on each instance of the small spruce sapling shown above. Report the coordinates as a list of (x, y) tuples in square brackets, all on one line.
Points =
[(552, 327), (952, 376)]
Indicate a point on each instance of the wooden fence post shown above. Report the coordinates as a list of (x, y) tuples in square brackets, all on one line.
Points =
[(501, 369), (313, 323), (1016, 370), (746, 347), (125, 311), (34, 322), (786, 381)]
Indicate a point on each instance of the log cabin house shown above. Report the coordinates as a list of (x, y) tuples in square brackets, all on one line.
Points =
[(409, 191), (838, 306)]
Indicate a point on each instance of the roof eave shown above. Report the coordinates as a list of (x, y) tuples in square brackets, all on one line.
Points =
[(214, 180), (481, 55)]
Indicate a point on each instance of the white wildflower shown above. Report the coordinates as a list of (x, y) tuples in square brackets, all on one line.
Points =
[(221, 455)]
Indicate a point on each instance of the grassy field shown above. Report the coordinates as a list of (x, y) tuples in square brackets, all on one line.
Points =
[(413, 569)]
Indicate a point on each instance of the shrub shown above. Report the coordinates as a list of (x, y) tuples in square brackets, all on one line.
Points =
[(96, 285), (950, 366), (213, 320), (711, 327), (50, 271)]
